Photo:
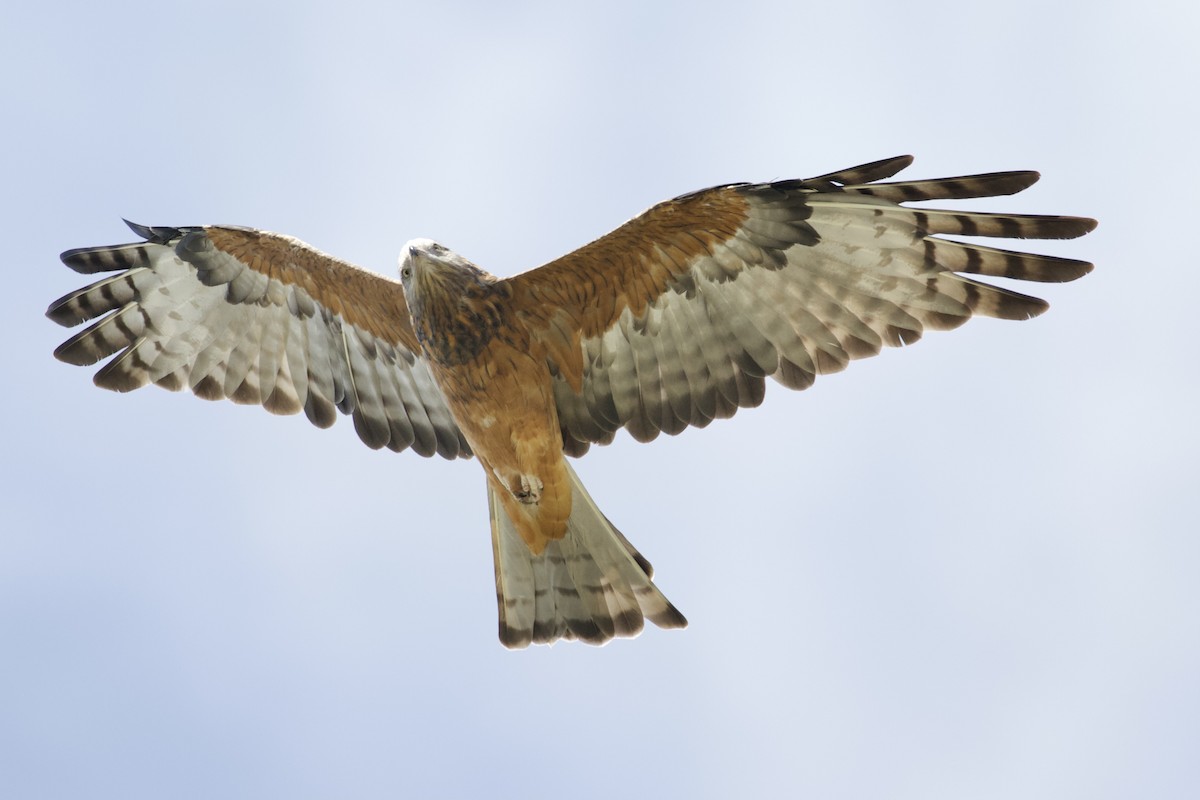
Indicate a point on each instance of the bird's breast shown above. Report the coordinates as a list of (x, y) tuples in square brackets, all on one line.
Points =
[(457, 327)]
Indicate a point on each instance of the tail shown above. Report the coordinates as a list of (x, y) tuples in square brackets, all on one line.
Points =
[(589, 585)]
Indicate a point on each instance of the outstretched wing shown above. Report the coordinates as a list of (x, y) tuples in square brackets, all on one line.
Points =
[(675, 318), (258, 318)]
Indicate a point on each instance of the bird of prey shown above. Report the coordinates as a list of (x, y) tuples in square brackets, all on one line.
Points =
[(672, 320)]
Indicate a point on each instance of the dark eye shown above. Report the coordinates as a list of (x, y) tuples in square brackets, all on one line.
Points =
[(406, 273)]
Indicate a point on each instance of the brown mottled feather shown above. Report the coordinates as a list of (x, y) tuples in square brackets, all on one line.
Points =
[(631, 266), (258, 318), (371, 302), (676, 317)]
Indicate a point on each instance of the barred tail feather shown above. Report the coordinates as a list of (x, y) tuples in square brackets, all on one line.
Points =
[(591, 585)]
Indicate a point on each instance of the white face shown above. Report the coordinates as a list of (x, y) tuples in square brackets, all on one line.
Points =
[(410, 257), (420, 252)]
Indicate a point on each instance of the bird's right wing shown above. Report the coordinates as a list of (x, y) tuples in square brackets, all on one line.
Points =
[(258, 318), (676, 317)]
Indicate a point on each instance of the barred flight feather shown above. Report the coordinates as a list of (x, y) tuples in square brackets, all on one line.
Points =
[(817, 273), (183, 313)]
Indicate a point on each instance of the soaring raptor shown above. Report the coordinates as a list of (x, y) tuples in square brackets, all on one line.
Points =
[(673, 319)]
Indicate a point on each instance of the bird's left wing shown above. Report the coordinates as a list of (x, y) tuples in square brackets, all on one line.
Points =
[(258, 318), (675, 318)]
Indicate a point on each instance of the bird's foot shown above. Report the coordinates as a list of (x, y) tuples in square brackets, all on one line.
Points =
[(528, 489)]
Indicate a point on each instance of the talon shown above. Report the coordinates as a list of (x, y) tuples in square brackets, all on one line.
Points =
[(529, 490)]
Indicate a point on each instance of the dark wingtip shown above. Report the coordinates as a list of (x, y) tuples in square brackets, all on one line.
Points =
[(1016, 181), (76, 259), (1073, 227), (864, 173), (141, 230), (60, 311), (153, 233), (875, 171)]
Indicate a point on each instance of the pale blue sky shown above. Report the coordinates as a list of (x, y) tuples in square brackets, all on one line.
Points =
[(967, 569)]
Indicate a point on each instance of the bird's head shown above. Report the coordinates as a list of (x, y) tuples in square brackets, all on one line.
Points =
[(450, 299), (426, 266)]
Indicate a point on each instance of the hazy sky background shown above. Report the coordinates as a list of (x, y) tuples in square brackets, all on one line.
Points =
[(963, 570)]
